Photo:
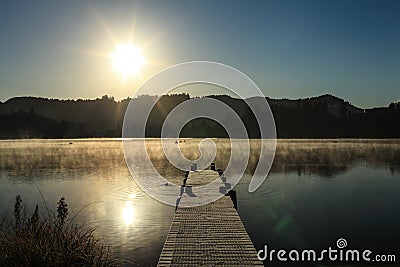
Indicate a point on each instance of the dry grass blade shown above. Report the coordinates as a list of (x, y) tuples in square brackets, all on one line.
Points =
[(48, 241)]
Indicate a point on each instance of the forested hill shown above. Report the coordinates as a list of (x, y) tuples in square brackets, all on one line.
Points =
[(324, 116)]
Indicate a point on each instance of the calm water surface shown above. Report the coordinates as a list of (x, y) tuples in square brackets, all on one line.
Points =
[(317, 191)]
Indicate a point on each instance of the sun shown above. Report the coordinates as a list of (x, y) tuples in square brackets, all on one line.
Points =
[(127, 60)]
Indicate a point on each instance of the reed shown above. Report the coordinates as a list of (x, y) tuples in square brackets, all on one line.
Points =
[(50, 239)]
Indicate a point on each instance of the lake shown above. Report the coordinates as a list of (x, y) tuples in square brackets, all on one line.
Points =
[(316, 192)]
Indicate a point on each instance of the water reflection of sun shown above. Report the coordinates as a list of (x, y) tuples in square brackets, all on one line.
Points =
[(128, 213)]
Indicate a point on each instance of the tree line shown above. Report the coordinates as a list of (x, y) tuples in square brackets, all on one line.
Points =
[(319, 117)]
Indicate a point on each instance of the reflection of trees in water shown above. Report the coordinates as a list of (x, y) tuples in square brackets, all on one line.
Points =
[(40, 157), (327, 158), (331, 157)]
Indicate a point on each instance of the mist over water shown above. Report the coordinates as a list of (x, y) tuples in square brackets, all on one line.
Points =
[(316, 192)]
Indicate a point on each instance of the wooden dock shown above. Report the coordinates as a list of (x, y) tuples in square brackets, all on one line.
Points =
[(208, 235)]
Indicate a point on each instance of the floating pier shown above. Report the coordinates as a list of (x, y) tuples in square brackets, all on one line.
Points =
[(208, 235)]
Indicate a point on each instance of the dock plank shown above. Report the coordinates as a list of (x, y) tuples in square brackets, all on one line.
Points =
[(208, 235)]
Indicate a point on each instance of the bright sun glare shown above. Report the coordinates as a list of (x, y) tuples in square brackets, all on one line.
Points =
[(128, 214), (127, 60)]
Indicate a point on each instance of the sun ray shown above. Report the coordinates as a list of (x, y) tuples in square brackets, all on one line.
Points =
[(104, 26)]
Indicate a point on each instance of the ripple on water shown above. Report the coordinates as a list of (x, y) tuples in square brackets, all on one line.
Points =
[(126, 192), (264, 193)]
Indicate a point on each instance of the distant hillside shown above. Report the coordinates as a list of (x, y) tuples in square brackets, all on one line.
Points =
[(324, 116), (334, 105)]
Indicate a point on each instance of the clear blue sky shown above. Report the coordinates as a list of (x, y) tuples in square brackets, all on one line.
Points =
[(289, 48)]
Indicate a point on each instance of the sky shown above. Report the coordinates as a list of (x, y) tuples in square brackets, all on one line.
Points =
[(291, 49)]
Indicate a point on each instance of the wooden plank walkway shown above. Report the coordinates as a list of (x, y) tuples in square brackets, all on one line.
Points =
[(208, 235)]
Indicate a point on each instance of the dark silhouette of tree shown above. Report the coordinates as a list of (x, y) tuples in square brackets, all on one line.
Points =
[(318, 117)]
